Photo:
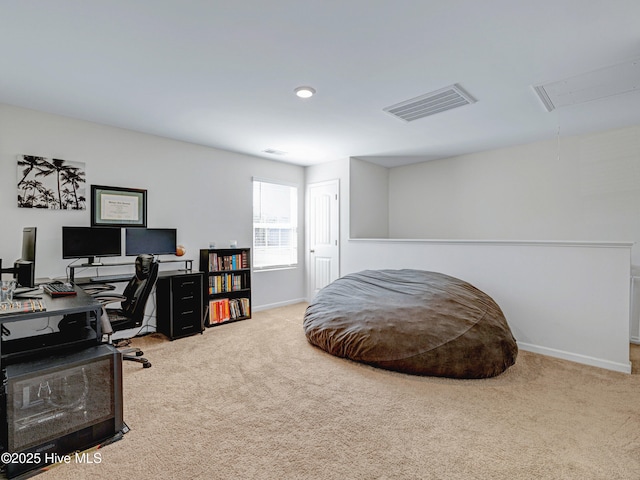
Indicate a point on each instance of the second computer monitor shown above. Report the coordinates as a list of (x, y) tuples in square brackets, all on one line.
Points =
[(154, 241), (91, 243)]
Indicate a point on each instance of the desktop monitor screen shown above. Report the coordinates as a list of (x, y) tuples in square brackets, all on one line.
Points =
[(28, 244), (24, 268), (154, 241), (88, 242)]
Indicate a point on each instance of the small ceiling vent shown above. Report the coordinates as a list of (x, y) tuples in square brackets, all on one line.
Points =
[(431, 103), (272, 151)]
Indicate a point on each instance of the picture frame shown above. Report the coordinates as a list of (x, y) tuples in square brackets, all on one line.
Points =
[(118, 207)]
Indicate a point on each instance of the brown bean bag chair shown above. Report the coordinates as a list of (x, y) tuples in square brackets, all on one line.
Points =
[(412, 321)]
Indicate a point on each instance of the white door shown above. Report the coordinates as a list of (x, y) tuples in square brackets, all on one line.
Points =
[(323, 235)]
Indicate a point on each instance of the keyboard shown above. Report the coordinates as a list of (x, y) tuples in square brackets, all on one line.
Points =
[(118, 277), (59, 289)]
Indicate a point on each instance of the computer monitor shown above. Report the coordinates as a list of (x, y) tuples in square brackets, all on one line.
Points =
[(91, 243), (29, 244), (24, 268), (154, 241)]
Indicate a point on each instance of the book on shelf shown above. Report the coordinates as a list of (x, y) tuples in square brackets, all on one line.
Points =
[(228, 282), (219, 311), (218, 262), (246, 306), (225, 309)]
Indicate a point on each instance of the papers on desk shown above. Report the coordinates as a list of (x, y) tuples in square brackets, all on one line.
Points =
[(19, 306)]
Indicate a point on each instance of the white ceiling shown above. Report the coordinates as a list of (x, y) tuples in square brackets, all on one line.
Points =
[(221, 73)]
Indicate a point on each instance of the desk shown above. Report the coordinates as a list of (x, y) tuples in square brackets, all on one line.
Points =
[(79, 304), (86, 281), (188, 266)]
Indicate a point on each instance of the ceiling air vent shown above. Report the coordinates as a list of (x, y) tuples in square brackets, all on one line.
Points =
[(272, 151), (431, 103)]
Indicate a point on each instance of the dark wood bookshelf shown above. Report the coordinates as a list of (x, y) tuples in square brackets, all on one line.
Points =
[(227, 285)]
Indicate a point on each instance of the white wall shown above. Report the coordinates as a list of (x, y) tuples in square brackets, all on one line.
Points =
[(205, 193), (584, 188), (369, 193), (565, 299)]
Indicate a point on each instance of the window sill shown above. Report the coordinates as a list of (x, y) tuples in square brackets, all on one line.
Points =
[(273, 269)]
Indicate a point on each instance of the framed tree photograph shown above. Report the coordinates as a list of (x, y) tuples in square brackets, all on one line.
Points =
[(51, 183), (118, 207)]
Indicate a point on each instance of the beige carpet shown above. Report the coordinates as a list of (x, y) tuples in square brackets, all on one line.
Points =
[(253, 400)]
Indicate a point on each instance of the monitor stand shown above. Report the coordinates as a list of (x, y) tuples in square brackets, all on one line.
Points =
[(92, 262)]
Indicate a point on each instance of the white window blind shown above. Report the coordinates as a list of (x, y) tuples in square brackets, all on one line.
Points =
[(275, 225)]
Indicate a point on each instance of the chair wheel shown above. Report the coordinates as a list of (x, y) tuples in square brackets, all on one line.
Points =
[(146, 365), (139, 353)]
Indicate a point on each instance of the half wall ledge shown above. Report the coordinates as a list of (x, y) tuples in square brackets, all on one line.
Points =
[(565, 299)]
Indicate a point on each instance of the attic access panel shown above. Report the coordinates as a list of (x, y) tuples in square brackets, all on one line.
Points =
[(601, 83)]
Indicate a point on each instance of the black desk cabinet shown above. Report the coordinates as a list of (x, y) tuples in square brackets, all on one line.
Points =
[(179, 301)]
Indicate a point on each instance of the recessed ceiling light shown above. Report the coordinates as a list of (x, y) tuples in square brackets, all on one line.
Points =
[(305, 92)]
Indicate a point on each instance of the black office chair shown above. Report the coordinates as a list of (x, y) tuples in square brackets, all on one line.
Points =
[(133, 301)]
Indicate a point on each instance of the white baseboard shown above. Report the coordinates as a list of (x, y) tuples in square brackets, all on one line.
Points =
[(635, 340), (575, 357), (278, 304)]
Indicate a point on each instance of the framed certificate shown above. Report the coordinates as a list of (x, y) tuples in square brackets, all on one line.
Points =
[(118, 207)]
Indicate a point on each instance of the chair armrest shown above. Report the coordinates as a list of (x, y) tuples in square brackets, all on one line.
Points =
[(106, 299), (97, 289)]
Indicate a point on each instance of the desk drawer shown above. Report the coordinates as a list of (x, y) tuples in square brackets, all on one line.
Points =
[(186, 285), (182, 303), (179, 300), (186, 323), (186, 310)]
